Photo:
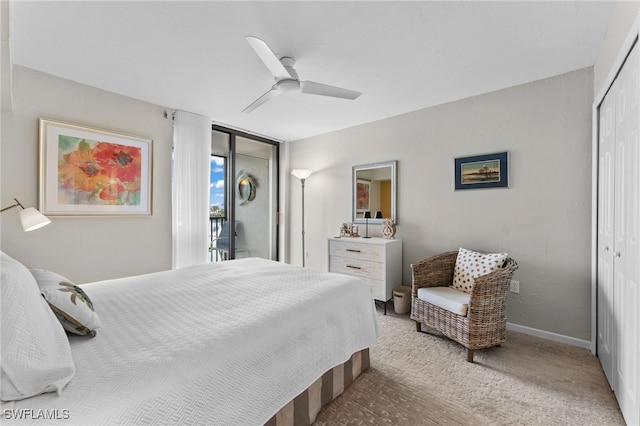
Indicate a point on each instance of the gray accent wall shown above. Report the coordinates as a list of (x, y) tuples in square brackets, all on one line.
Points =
[(83, 249), (543, 220)]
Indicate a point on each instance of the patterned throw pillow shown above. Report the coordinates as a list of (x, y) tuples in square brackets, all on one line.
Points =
[(70, 303), (471, 265)]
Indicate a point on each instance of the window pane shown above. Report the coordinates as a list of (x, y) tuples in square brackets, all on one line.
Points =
[(218, 203)]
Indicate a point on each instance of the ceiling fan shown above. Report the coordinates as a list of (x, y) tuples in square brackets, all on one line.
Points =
[(287, 78)]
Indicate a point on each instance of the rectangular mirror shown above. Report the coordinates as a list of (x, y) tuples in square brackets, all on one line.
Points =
[(374, 190)]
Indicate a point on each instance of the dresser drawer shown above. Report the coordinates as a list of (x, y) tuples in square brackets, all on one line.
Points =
[(356, 267), (353, 250), (375, 260)]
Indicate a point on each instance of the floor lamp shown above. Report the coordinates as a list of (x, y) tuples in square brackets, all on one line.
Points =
[(302, 174)]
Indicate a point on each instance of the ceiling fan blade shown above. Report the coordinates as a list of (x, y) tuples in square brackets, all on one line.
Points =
[(269, 58), (314, 88), (261, 100)]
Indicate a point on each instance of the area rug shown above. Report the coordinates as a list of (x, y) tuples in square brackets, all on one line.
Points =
[(423, 379)]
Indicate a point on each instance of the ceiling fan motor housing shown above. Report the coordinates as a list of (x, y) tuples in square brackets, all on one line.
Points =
[(288, 63), (287, 85)]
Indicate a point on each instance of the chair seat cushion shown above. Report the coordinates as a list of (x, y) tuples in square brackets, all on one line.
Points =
[(448, 298)]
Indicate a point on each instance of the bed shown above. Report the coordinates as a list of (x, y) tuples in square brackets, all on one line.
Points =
[(242, 342)]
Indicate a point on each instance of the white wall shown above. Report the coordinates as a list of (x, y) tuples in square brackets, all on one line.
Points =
[(543, 220), (82, 248)]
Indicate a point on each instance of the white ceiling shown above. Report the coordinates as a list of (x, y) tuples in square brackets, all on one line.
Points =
[(403, 56)]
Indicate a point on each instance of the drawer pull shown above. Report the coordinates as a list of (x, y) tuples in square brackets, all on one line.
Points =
[(353, 250), (353, 267)]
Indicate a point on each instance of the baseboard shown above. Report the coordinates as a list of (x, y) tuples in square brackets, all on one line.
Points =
[(549, 335)]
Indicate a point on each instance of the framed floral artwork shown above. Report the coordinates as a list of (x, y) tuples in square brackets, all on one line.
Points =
[(362, 195), (87, 171)]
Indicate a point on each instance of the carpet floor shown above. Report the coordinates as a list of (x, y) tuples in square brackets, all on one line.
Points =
[(423, 379)]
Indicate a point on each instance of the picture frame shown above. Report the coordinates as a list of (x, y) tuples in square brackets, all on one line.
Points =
[(85, 171), (482, 171), (363, 191)]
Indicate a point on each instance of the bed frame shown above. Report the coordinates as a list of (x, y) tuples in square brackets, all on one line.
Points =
[(306, 406)]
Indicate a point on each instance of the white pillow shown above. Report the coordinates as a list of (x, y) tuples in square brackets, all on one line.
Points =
[(36, 357), (471, 265), (69, 303)]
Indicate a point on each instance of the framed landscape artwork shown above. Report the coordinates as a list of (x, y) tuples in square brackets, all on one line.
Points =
[(482, 171), (87, 171), (363, 190)]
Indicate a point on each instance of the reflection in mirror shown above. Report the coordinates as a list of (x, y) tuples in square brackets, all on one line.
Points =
[(374, 190)]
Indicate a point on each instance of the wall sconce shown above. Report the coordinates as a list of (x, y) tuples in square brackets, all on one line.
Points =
[(378, 215), (30, 217), (367, 216)]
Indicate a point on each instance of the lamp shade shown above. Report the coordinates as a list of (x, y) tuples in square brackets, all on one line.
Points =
[(367, 215), (32, 219), (301, 173), (378, 215)]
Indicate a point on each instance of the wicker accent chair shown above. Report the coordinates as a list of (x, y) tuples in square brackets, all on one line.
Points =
[(485, 322)]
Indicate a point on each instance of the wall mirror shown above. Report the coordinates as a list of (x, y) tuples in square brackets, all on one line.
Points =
[(374, 190)]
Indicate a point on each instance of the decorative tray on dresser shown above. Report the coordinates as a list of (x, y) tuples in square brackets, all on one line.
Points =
[(376, 260)]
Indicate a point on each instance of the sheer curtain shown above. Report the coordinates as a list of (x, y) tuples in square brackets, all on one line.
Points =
[(191, 158)]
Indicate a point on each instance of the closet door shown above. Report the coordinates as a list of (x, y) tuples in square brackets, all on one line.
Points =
[(605, 295), (618, 279), (627, 240)]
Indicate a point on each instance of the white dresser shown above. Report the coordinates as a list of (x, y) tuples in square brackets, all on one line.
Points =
[(376, 260)]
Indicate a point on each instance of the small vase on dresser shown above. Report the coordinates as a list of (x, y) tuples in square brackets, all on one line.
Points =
[(376, 260), (389, 229)]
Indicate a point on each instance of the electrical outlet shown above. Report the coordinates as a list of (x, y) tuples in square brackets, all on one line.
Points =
[(515, 286)]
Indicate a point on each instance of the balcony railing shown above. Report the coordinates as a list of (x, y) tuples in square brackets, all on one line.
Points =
[(215, 224)]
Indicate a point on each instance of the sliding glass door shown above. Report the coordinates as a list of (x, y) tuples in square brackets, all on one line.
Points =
[(243, 192)]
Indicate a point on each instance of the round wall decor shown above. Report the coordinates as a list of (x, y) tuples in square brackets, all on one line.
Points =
[(245, 188)]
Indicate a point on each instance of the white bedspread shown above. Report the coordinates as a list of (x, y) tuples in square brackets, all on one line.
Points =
[(218, 344)]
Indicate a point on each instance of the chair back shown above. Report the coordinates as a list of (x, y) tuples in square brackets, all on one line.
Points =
[(222, 241)]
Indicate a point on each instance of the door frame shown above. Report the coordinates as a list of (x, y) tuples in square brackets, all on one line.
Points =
[(624, 51), (231, 172)]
